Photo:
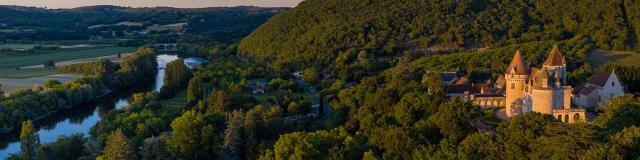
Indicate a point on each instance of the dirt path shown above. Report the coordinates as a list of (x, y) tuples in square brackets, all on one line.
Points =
[(113, 58)]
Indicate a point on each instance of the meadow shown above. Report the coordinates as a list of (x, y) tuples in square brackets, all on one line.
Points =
[(599, 57)]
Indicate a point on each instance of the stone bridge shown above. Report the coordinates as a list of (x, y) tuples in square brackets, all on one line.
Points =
[(166, 47)]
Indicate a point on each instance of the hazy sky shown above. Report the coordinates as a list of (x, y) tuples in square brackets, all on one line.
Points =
[(151, 3)]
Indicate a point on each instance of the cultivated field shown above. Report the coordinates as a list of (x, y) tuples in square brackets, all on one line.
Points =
[(31, 71), (600, 56), (172, 27), (9, 85), (112, 58), (20, 46), (26, 73), (9, 62)]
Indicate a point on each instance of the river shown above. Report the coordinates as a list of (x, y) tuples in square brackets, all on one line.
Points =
[(81, 118)]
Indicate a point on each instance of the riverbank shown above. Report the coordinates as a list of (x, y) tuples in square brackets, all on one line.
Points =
[(81, 118), (37, 119)]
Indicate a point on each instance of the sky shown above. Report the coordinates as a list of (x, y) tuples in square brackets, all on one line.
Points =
[(151, 3)]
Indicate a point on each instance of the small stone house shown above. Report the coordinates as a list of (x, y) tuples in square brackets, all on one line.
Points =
[(601, 86)]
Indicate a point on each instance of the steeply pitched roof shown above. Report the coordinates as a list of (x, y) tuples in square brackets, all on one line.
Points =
[(555, 58), (599, 78), (518, 64), (448, 76), (587, 90)]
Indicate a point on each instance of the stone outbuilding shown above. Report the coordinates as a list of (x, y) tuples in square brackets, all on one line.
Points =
[(601, 86)]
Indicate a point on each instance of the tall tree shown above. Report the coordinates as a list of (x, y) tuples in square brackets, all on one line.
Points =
[(218, 102), (194, 91), (29, 140), (118, 147), (233, 136), (176, 76)]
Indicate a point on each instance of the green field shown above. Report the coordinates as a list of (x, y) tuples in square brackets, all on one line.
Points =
[(171, 27), (20, 46), (599, 57), (26, 73), (12, 62)]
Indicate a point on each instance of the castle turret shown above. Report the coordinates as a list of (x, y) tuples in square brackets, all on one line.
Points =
[(556, 63), (515, 78)]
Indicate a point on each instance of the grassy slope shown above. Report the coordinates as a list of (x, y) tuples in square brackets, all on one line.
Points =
[(599, 57)]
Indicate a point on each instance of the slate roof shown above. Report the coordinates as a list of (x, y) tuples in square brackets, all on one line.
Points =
[(587, 90), (599, 78), (461, 88), (448, 76)]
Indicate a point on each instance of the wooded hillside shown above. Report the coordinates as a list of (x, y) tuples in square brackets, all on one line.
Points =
[(317, 31)]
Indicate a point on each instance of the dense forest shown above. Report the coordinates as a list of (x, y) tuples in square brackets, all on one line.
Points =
[(222, 24), (317, 31), (375, 65)]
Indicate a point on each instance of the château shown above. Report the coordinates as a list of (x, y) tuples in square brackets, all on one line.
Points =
[(544, 90)]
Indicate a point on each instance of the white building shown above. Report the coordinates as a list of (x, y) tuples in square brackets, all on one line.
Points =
[(601, 86)]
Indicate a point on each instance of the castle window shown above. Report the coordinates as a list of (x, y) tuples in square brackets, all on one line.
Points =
[(613, 84), (513, 85)]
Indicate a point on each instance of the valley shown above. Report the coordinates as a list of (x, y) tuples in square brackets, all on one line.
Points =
[(325, 79)]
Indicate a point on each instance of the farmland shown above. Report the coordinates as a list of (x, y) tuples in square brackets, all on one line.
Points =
[(9, 64), (9, 84), (20, 46), (60, 55)]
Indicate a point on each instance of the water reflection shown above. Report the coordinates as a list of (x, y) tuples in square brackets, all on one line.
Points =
[(81, 118)]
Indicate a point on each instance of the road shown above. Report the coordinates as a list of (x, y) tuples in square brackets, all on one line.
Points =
[(326, 109)]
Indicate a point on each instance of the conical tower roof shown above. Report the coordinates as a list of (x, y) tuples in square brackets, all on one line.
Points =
[(555, 58), (518, 64)]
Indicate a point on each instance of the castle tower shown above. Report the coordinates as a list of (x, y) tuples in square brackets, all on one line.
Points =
[(515, 78), (556, 63)]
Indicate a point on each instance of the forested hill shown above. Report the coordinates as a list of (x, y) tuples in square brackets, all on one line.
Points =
[(319, 31), (30, 23)]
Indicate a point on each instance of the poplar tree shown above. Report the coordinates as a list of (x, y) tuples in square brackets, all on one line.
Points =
[(194, 91), (29, 140), (218, 101)]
